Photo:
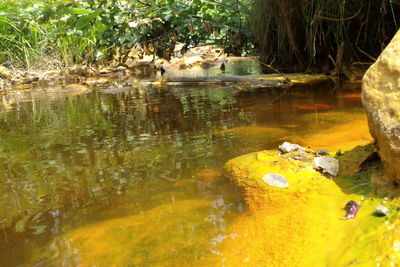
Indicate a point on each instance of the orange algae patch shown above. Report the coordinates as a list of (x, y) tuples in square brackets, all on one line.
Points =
[(209, 176), (354, 96), (314, 107), (144, 239), (255, 135), (342, 136)]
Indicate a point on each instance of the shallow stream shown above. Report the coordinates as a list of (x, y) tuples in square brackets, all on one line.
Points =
[(134, 177)]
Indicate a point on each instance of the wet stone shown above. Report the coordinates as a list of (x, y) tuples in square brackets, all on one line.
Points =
[(287, 147), (327, 165), (381, 210), (275, 180)]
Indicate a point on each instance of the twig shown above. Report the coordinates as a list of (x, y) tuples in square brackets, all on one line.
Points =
[(272, 68), (365, 53), (341, 19), (145, 4)]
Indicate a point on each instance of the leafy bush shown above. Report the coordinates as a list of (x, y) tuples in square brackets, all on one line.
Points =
[(87, 31)]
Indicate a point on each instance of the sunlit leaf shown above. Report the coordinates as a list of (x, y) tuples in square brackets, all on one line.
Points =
[(38, 229), (21, 224)]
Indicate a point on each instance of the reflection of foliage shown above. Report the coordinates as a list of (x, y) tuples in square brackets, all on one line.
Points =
[(74, 151), (84, 31)]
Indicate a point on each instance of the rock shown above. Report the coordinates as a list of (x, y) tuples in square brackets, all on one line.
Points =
[(88, 71), (96, 81), (287, 147), (328, 165), (275, 180), (117, 90), (5, 73), (105, 71), (381, 210), (381, 100), (209, 176)]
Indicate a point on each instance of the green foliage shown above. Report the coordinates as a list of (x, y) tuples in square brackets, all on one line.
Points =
[(85, 31)]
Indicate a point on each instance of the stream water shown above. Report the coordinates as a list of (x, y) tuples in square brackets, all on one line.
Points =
[(134, 177)]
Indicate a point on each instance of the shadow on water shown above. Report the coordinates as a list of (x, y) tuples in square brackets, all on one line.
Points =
[(73, 165)]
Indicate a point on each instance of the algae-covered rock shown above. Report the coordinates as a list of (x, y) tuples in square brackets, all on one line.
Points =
[(381, 99), (294, 218)]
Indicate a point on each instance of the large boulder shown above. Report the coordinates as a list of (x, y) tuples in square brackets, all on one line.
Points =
[(381, 99)]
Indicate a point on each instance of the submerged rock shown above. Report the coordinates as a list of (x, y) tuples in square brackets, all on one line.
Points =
[(209, 176), (328, 165), (381, 98), (275, 180), (381, 210), (287, 147)]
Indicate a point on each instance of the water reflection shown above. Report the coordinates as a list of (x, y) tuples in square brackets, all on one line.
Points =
[(105, 160)]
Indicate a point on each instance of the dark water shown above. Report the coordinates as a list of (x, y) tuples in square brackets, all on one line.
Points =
[(150, 155)]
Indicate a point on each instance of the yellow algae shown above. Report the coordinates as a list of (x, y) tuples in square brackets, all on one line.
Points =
[(127, 240), (342, 136), (301, 226), (255, 135)]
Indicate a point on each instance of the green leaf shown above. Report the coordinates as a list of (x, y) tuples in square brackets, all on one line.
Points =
[(84, 21), (38, 229), (75, 11), (20, 225)]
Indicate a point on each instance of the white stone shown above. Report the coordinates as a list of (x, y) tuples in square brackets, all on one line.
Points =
[(382, 210), (287, 147), (329, 165), (275, 180)]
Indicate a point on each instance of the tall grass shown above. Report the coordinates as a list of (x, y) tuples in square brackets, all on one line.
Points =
[(20, 36), (296, 35), (36, 34)]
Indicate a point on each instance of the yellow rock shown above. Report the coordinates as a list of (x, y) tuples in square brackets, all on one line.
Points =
[(209, 176), (381, 99), (5, 73)]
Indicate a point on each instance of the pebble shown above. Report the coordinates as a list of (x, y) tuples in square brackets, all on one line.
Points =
[(275, 180), (287, 147), (381, 210), (329, 165)]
